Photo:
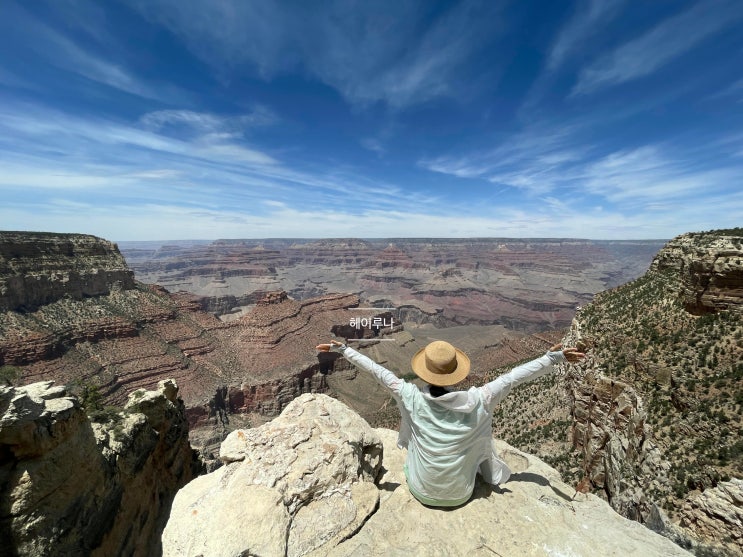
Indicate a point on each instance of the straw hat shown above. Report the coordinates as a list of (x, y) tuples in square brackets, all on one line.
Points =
[(441, 364)]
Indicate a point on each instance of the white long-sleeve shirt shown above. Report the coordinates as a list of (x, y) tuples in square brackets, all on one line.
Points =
[(449, 438)]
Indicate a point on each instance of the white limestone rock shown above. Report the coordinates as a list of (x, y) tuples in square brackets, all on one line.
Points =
[(533, 514), (69, 486), (717, 514), (310, 483), (306, 478)]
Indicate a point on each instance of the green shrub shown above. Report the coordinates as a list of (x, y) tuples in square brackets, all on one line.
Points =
[(91, 398), (9, 374), (105, 415)]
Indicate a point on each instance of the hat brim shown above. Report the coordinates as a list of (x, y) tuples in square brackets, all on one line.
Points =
[(418, 363)]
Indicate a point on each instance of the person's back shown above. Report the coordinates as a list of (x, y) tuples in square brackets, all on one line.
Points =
[(449, 436)]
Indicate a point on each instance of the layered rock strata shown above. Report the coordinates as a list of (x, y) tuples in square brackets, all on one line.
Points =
[(528, 285), (123, 336), (39, 268), (71, 312), (710, 269), (273, 353), (653, 418), (132, 339), (716, 513), (72, 486), (319, 481)]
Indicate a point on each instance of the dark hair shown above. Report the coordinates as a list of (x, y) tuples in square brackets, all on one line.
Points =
[(437, 391)]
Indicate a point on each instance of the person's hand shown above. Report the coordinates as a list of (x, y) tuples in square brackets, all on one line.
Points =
[(327, 347), (571, 353)]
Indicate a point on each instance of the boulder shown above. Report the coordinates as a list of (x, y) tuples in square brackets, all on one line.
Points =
[(303, 482)]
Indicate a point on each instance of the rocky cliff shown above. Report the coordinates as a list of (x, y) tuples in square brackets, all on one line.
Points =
[(73, 485), (39, 268), (319, 481), (709, 269), (653, 419), (109, 335)]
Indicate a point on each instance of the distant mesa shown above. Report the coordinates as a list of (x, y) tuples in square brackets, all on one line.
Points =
[(527, 285), (40, 268)]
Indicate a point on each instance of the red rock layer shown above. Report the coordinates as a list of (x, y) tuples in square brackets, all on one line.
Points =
[(526, 285), (256, 364)]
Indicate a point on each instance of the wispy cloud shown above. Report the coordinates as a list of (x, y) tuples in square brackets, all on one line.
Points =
[(397, 52), (665, 42), (40, 128), (135, 183), (553, 218), (55, 48), (9, 79), (118, 163), (646, 176), (374, 145), (590, 16), (534, 160), (734, 90), (550, 163), (189, 121)]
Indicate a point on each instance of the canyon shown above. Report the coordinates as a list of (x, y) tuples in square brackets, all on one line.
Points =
[(526, 285), (650, 422), (128, 334), (74, 313)]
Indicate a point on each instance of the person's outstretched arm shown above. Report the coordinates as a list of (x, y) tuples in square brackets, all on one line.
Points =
[(497, 390), (382, 374)]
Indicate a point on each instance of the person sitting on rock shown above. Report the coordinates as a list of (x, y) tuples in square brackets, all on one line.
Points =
[(448, 434)]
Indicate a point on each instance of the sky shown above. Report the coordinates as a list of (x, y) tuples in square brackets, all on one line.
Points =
[(186, 119)]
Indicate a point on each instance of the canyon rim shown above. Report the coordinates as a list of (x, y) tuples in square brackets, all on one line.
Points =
[(74, 314)]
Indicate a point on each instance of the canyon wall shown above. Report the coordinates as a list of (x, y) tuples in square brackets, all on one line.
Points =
[(101, 485), (652, 420), (131, 339), (528, 285), (39, 268)]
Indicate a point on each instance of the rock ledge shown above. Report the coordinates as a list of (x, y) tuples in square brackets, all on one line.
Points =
[(312, 482)]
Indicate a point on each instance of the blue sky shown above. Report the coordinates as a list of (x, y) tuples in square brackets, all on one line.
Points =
[(183, 119)]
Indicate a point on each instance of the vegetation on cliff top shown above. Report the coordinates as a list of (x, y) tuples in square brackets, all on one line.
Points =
[(687, 368)]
